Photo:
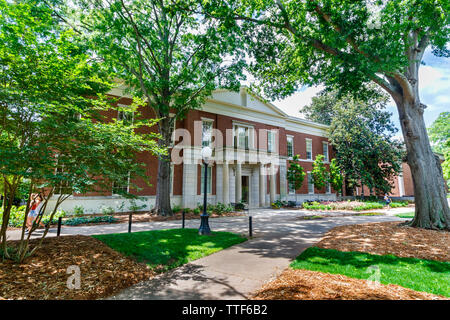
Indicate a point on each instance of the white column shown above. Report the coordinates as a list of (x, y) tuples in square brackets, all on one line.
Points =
[(189, 185), (225, 183), (262, 186), (272, 182), (238, 183), (283, 179), (401, 185)]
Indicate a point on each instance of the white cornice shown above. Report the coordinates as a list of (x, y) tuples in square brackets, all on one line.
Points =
[(279, 118)]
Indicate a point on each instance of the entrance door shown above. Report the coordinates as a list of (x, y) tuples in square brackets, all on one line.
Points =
[(245, 189)]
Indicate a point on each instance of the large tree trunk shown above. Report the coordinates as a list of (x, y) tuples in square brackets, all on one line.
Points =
[(432, 211), (162, 204)]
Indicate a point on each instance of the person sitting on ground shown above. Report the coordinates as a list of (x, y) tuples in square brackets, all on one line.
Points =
[(35, 207)]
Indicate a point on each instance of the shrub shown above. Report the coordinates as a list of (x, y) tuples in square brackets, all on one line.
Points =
[(107, 210), (239, 206), (176, 209), (186, 210), (58, 214), (369, 206), (78, 211), (134, 207), (314, 205), (196, 211), (398, 204), (82, 220), (221, 208), (17, 216)]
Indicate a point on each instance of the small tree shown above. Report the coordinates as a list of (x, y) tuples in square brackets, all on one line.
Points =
[(361, 134), (439, 133), (336, 179), (295, 173), (171, 58), (319, 172), (52, 133)]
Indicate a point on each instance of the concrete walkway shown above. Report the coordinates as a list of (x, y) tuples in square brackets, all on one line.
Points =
[(236, 272), (232, 224)]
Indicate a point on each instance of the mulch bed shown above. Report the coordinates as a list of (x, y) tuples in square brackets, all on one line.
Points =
[(389, 238), (313, 285), (375, 238), (44, 275)]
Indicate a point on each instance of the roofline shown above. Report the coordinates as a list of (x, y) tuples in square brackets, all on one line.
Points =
[(275, 108), (118, 91)]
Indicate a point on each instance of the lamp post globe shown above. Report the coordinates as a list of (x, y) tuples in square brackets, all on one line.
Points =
[(204, 217), (206, 154)]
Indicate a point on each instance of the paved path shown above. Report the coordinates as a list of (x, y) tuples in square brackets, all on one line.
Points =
[(236, 272), (234, 224)]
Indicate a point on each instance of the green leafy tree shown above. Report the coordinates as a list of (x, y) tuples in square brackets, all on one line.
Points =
[(172, 59), (319, 172), (295, 173), (361, 134), (439, 133), (336, 179), (347, 44), (53, 134)]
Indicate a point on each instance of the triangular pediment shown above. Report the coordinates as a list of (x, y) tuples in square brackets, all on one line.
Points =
[(247, 100)]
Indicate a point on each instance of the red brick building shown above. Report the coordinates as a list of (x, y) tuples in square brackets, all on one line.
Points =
[(403, 185), (252, 141)]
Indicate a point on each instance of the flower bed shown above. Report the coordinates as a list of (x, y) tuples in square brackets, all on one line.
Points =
[(350, 205)]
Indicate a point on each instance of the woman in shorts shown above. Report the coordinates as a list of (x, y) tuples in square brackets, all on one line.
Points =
[(35, 207)]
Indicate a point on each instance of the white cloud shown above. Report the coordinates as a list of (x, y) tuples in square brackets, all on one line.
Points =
[(292, 105), (432, 79)]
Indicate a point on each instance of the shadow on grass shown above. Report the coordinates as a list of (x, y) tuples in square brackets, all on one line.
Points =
[(163, 250), (417, 274)]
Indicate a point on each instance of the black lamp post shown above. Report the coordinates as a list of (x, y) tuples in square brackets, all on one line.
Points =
[(204, 224)]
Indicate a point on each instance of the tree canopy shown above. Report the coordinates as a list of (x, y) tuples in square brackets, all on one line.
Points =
[(361, 134), (169, 57), (53, 129), (439, 133), (346, 45)]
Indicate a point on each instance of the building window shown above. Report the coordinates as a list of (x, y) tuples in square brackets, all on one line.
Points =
[(121, 186), (309, 149), (270, 141), (310, 183), (207, 127), (64, 186), (328, 186), (209, 183), (126, 116), (325, 151), (291, 187), (290, 146), (243, 136)]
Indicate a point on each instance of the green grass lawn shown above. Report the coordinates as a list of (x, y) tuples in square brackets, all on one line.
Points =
[(408, 215), (370, 214), (163, 250), (416, 274)]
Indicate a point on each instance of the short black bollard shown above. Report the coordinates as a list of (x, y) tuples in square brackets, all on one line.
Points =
[(183, 217), (130, 219), (250, 226), (58, 231)]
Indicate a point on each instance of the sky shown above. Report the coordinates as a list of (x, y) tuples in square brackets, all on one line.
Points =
[(434, 90)]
